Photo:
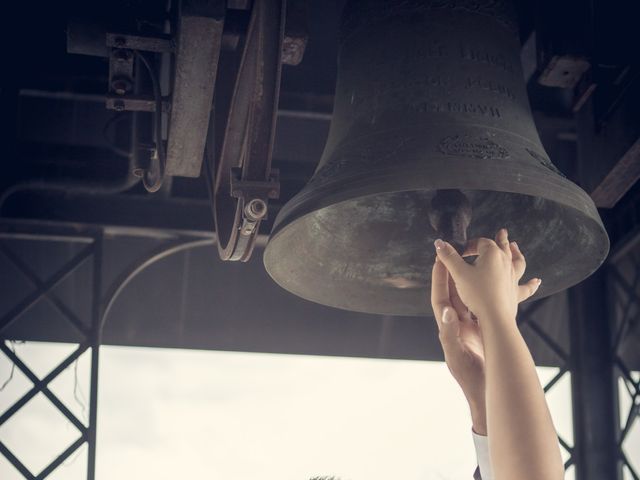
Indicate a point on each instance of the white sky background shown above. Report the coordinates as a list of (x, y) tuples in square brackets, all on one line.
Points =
[(168, 414)]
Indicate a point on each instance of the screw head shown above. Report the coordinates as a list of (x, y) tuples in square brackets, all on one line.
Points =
[(118, 106), (256, 209)]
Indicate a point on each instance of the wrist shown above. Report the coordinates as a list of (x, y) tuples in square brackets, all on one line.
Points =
[(478, 418), (479, 424), (496, 318)]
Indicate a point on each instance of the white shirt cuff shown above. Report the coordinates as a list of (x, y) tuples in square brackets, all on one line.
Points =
[(482, 454)]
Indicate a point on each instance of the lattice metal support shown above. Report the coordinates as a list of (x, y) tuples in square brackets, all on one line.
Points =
[(526, 319), (594, 393), (90, 340), (625, 294)]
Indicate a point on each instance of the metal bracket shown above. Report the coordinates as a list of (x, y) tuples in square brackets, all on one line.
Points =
[(121, 63), (135, 103), (158, 44), (249, 189)]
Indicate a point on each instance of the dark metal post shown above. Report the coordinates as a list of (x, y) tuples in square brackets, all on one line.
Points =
[(96, 338), (594, 394)]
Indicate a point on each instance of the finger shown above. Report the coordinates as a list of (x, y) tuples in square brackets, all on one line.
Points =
[(451, 259), (477, 245), (439, 291), (517, 258), (457, 303), (450, 329), (528, 289), (502, 240)]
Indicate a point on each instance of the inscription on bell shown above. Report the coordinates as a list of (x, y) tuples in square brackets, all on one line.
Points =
[(489, 86), (470, 146), (483, 56), (456, 107), (474, 108)]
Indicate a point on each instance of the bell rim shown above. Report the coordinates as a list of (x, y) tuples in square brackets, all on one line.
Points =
[(532, 180)]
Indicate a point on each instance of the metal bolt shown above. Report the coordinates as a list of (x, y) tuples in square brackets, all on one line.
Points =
[(122, 55), (121, 85), (118, 106), (256, 209), (138, 172)]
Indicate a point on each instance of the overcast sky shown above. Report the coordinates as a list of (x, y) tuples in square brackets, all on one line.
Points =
[(168, 414)]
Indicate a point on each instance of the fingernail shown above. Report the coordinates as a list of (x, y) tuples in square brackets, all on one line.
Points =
[(446, 315), (538, 281), (515, 244), (439, 244)]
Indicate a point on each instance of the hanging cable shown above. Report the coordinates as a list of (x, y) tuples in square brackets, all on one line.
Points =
[(154, 175), (77, 391), (12, 346)]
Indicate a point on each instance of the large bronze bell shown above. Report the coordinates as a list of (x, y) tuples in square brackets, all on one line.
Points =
[(432, 136)]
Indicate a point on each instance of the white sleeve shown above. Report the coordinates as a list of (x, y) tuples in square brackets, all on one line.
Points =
[(482, 453)]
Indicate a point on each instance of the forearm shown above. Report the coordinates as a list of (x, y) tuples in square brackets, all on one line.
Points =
[(522, 438)]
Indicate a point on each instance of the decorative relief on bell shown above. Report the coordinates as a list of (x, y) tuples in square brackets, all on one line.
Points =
[(468, 146)]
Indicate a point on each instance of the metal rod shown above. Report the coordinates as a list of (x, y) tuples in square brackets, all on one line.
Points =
[(593, 383), (42, 387), (20, 229), (525, 316), (96, 328), (62, 457), (555, 379), (15, 462), (129, 274), (551, 343), (40, 384)]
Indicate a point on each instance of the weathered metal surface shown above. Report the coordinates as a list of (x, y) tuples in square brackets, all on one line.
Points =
[(430, 96), (157, 43), (199, 34), (134, 103), (296, 32), (620, 179), (244, 171), (608, 129), (564, 71)]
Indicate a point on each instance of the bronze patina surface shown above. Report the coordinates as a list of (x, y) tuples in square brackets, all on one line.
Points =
[(430, 97)]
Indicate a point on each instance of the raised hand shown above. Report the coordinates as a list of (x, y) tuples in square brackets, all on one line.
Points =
[(490, 286)]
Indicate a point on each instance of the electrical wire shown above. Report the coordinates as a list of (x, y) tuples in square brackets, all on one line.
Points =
[(12, 344), (77, 391), (154, 175), (13, 369)]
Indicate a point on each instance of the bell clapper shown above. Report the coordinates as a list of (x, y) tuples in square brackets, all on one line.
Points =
[(450, 216)]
